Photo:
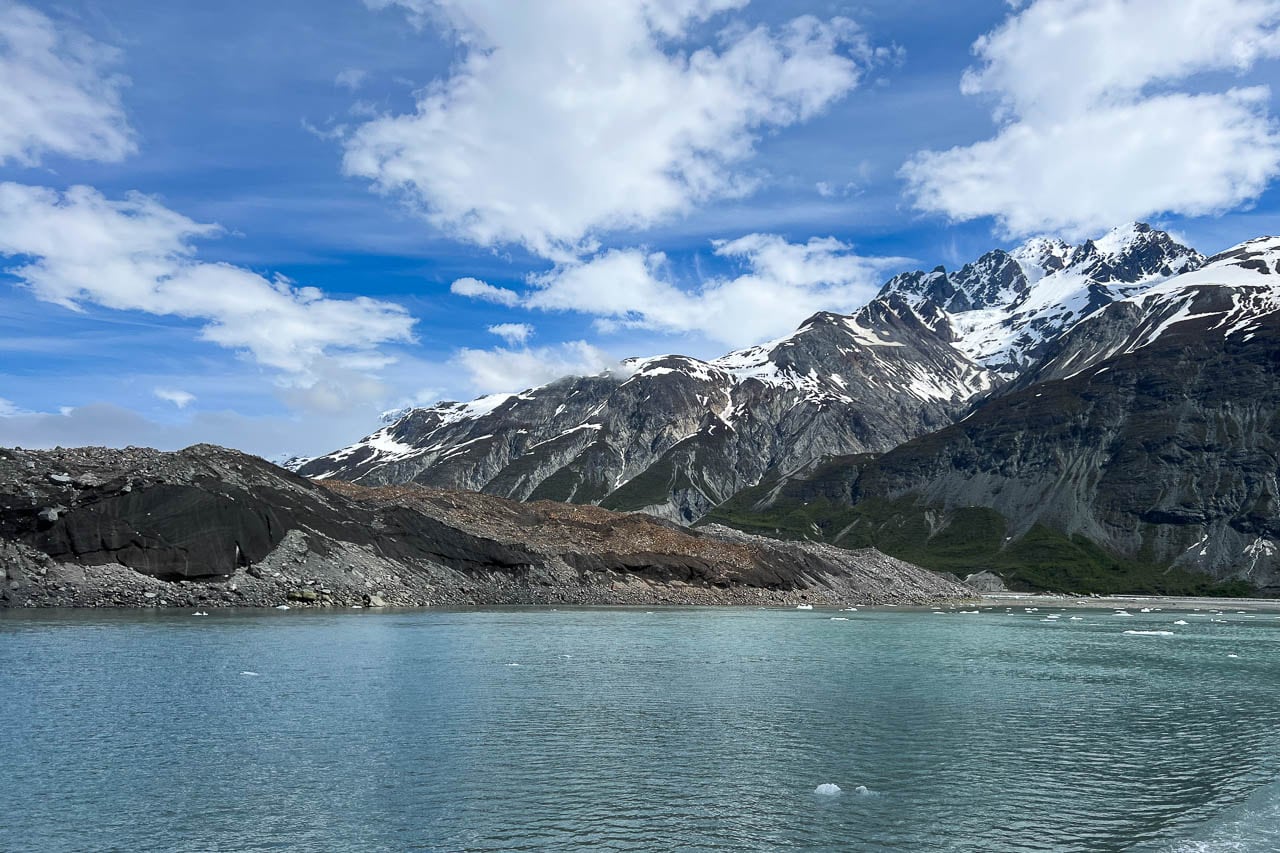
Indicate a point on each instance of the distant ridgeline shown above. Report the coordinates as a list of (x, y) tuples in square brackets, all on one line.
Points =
[(1093, 418)]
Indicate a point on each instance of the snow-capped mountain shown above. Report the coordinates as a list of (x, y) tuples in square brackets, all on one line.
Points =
[(1142, 454), (1005, 308), (1227, 296), (675, 436)]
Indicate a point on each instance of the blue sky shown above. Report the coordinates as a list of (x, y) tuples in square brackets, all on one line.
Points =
[(674, 175)]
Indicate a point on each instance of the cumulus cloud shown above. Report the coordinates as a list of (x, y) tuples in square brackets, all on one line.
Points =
[(502, 369), (58, 93), (566, 118), (178, 397), (781, 283), (134, 254), (512, 333), (485, 292), (1090, 131)]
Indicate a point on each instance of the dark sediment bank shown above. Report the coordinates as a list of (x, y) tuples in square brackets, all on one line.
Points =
[(210, 527)]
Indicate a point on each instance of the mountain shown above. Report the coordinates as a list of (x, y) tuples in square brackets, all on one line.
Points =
[(213, 527), (674, 435), (1142, 453), (1005, 309)]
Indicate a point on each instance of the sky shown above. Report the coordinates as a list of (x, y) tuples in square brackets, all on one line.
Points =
[(264, 224)]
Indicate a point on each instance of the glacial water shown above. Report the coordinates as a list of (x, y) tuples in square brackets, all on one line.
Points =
[(622, 729)]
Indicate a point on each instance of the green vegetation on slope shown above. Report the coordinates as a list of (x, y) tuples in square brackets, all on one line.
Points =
[(968, 540)]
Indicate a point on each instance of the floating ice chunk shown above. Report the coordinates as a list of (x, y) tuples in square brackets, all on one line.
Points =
[(1181, 622), (864, 791), (282, 607), (1233, 656), (804, 607), (827, 789), (249, 672), (1151, 633)]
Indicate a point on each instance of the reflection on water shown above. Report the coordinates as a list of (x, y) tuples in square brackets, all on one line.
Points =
[(631, 730)]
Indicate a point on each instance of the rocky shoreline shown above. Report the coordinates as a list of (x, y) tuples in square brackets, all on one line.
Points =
[(208, 527)]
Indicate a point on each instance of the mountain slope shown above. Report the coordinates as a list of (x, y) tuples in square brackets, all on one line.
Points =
[(677, 435), (1145, 453)]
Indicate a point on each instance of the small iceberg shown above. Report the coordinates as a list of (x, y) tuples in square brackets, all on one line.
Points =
[(804, 607), (864, 791), (1150, 633), (827, 789)]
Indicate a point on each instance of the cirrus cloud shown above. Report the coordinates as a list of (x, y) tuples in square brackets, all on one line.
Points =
[(58, 94)]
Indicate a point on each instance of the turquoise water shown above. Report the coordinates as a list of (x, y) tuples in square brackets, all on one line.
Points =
[(676, 729)]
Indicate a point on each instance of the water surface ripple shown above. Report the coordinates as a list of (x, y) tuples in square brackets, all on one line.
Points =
[(627, 730)]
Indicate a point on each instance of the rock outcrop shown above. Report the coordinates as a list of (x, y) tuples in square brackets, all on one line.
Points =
[(212, 527), (1154, 469)]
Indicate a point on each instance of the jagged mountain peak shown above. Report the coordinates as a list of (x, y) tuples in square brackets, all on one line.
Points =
[(1004, 308), (1041, 256)]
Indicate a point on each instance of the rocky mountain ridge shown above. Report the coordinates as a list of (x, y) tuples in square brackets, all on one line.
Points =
[(1142, 453), (676, 436)]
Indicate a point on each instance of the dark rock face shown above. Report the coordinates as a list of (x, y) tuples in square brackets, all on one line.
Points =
[(168, 532), (1164, 457), (212, 527)]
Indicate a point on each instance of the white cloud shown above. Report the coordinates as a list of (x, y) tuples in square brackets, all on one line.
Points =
[(566, 118), (58, 94), (351, 78), (512, 333), (1090, 133), (477, 289), (179, 398), (782, 284), (79, 247), (501, 369)]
